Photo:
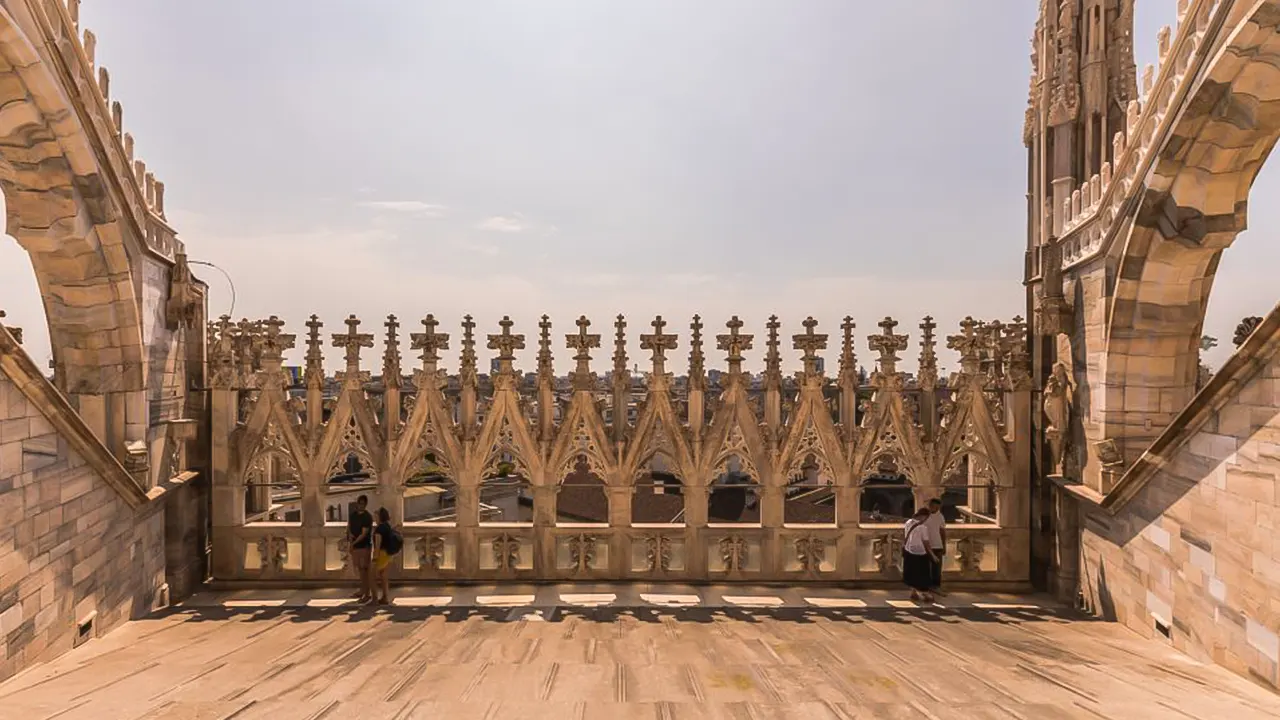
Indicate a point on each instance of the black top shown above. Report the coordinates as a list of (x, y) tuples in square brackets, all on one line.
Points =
[(384, 532), (360, 520)]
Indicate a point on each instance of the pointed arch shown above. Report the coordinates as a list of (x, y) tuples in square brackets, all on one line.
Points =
[(581, 436), (505, 437)]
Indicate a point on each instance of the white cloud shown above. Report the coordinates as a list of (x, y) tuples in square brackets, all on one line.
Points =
[(414, 207), (513, 223)]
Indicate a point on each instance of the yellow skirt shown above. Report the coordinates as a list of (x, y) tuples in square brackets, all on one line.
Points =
[(381, 560)]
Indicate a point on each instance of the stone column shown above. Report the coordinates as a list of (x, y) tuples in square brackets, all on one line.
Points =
[(544, 520), (695, 518), (1066, 571), (228, 488), (468, 520)]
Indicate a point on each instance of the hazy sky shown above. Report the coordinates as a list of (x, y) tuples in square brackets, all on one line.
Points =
[(825, 157)]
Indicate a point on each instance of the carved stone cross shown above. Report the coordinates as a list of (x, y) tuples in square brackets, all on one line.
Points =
[(352, 341), (274, 342), (888, 344), (506, 344), (734, 343), (967, 344), (582, 342), (429, 342), (658, 342), (810, 343)]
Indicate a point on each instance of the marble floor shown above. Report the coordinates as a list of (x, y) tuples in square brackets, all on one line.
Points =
[(621, 652)]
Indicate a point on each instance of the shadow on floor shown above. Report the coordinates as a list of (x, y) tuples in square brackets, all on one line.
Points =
[(610, 614)]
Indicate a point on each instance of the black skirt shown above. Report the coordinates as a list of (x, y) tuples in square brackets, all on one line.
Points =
[(917, 571)]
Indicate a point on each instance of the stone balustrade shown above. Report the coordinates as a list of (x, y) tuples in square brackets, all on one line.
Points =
[(712, 475)]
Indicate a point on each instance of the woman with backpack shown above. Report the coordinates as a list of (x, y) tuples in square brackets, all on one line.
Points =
[(387, 543)]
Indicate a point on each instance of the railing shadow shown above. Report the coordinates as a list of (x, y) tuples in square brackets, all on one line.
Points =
[(613, 613)]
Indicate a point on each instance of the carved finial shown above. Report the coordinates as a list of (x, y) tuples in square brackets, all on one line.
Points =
[(117, 117), (468, 371), (1245, 329), (928, 358), (968, 344), (391, 355), (659, 343), (272, 344), (73, 12), (848, 359), (159, 199), (772, 358), (993, 346), (697, 362), (315, 353), (352, 341), (506, 344), (619, 348), (545, 357), (104, 83), (809, 343), (734, 343), (582, 342), (429, 342), (888, 345), (90, 44)]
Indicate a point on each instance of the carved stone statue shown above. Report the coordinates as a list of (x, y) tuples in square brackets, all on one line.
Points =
[(1057, 410)]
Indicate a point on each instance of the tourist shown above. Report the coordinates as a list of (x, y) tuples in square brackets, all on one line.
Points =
[(359, 533), (917, 557), (386, 543), (937, 527)]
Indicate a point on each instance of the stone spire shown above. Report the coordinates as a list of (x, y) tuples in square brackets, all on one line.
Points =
[(772, 358), (928, 375), (468, 379), (697, 361), (733, 344), (621, 381), (315, 352), (582, 342), (848, 379), (659, 343), (545, 367), (391, 354)]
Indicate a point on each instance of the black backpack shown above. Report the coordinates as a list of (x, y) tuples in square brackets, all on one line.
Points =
[(394, 542)]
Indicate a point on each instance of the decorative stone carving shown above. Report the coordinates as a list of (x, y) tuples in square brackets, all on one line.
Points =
[(657, 553), (273, 552), (1058, 390), (810, 552), (734, 344), (352, 341), (182, 309), (16, 332), (344, 551), (430, 549), (506, 552), (969, 554), (886, 549), (733, 552), (582, 552)]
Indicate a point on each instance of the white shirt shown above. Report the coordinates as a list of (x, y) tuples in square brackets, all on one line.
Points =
[(914, 537), (934, 525)]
